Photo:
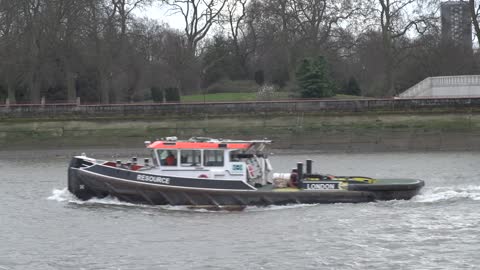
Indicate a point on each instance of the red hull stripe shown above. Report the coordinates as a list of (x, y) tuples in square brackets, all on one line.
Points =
[(197, 145)]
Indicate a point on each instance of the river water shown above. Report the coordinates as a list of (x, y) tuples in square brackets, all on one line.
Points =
[(43, 227)]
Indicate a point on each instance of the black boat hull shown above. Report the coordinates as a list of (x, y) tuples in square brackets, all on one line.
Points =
[(86, 184)]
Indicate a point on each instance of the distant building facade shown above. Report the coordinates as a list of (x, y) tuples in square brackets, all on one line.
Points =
[(456, 23)]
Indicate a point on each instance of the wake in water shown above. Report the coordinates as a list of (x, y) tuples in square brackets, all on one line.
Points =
[(440, 194), (63, 195)]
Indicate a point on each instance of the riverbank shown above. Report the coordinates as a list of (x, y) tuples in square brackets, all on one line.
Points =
[(317, 131)]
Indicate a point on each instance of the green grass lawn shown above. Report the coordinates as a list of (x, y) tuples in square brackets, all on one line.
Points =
[(225, 97), (219, 97), (342, 96)]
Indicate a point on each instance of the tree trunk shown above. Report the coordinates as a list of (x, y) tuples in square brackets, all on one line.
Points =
[(11, 92), (104, 87), (291, 68), (137, 84), (389, 76), (118, 94), (71, 89), (33, 80), (388, 53), (34, 88), (389, 85), (474, 17)]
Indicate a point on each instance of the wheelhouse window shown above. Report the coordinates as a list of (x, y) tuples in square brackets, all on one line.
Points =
[(234, 156), (213, 158), (168, 157), (154, 157), (190, 157)]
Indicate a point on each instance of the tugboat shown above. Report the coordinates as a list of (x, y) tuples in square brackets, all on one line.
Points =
[(218, 173)]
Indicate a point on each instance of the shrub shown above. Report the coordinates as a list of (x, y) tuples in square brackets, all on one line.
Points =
[(267, 92)]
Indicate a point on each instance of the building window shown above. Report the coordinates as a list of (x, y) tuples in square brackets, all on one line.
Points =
[(213, 158)]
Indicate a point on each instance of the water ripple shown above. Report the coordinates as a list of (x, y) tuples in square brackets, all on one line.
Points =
[(43, 226)]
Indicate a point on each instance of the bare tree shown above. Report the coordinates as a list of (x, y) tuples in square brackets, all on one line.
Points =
[(125, 8), (199, 16), (70, 21), (316, 19), (9, 39), (100, 22), (236, 14), (99, 50), (108, 28), (293, 29), (127, 68), (272, 30), (31, 11), (396, 19), (475, 13)]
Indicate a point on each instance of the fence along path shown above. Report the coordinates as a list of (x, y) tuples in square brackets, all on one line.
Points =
[(290, 106)]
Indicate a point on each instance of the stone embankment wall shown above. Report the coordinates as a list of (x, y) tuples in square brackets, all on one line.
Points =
[(361, 125)]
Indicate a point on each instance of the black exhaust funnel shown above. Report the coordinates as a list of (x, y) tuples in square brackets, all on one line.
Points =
[(300, 171), (309, 166)]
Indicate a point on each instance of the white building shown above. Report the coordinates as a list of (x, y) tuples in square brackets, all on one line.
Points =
[(445, 86)]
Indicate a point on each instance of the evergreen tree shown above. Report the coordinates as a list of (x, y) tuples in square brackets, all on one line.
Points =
[(313, 77)]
